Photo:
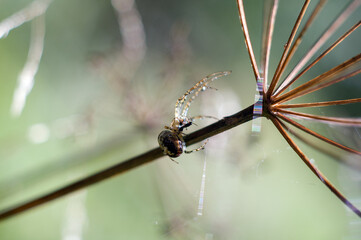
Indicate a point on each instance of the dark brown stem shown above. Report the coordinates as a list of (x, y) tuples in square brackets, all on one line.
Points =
[(197, 136)]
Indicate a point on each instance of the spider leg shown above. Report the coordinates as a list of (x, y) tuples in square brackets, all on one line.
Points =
[(183, 103), (174, 160), (202, 117), (197, 149), (213, 88), (192, 123)]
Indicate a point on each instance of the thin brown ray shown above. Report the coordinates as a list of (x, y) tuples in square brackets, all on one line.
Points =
[(242, 18), (320, 104), (282, 129), (309, 22), (270, 11), (285, 84), (309, 131), (281, 66), (329, 120), (321, 41), (351, 160), (334, 75)]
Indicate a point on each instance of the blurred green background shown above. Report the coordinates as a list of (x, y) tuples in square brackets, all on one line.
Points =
[(104, 92)]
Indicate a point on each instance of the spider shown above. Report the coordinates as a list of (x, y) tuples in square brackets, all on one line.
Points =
[(171, 140)]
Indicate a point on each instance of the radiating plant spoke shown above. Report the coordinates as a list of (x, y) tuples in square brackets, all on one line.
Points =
[(242, 17), (269, 18), (282, 129), (282, 63), (320, 104), (298, 41), (338, 41), (330, 120), (350, 159), (309, 131), (339, 20), (337, 74)]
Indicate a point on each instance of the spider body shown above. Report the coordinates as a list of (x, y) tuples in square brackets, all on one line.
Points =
[(171, 140), (171, 143)]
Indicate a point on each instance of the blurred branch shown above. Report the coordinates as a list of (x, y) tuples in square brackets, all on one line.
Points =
[(26, 77), (132, 163), (28, 13), (132, 31)]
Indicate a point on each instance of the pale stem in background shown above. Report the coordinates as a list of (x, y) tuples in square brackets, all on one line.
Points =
[(26, 77), (28, 13), (132, 31)]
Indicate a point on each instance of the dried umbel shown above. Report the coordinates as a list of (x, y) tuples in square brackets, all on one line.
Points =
[(275, 97)]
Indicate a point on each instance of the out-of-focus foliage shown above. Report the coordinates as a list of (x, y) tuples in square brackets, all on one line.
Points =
[(103, 92)]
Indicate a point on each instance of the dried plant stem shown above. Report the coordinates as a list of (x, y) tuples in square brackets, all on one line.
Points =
[(298, 41), (321, 41), (325, 79), (330, 120), (242, 17), (197, 136), (320, 104), (282, 64), (282, 129), (107, 173), (337, 42), (350, 160), (309, 131), (268, 27)]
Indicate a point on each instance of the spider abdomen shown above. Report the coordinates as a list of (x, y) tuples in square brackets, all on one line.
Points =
[(171, 143)]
